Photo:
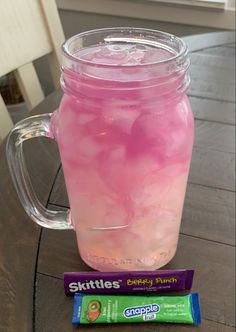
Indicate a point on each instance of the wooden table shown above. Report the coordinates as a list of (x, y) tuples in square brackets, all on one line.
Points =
[(33, 259)]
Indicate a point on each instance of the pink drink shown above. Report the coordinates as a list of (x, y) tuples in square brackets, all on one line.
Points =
[(125, 136)]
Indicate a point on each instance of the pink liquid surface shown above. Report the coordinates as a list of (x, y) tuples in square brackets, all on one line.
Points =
[(125, 158)]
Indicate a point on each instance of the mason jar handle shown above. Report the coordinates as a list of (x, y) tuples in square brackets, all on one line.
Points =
[(28, 128)]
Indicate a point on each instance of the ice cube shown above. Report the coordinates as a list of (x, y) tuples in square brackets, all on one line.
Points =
[(104, 132), (84, 118), (112, 168), (153, 55), (101, 212), (176, 143), (90, 148), (146, 196), (110, 54), (117, 154), (145, 166), (115, 216), (150, 126), (162, 136), (121, 114)]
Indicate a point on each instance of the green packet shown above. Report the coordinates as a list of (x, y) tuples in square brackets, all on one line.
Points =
[(92, 308)]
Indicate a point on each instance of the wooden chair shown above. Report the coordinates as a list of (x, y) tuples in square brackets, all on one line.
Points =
[(29, 29)]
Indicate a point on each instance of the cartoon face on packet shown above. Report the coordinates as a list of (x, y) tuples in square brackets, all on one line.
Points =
[(94, 310)]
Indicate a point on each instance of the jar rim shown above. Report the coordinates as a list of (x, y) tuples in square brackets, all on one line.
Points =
[(180, 54)]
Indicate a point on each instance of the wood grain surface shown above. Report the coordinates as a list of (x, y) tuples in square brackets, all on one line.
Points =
[(212, 262), (19, 236), (213, 110), (49, 293), (32, 261), (225, 51)]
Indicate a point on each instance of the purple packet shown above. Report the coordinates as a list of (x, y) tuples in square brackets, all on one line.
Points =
[(127, 282)]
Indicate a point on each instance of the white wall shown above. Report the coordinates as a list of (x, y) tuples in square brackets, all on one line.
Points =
[(211, 13), (74, 22)]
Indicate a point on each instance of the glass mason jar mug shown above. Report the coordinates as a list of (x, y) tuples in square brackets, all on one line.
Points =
[(125, 131)]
